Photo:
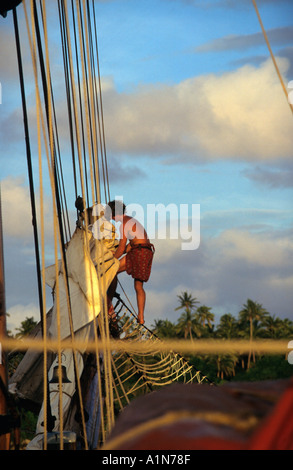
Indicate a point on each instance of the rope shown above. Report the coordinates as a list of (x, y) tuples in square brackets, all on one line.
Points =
[(101, 323), (184, 346), (141, 361), (271, 53), (41, 288), (55, 243)]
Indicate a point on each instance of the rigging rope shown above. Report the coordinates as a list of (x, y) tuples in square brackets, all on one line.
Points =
[(135, 369), (271, 53), (125, 374), (41, 291)]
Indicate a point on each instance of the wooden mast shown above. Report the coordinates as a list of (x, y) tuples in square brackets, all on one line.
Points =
[(5, 437)]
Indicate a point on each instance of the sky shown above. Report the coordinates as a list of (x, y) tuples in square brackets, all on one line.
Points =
[(194, 114)]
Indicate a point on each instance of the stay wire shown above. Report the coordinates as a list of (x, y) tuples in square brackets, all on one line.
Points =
[(93, 54), (106, 182), (32, 197), (58, 160), (64, 43), (57, 197), (89, 107), (80, 105), (271, 53)]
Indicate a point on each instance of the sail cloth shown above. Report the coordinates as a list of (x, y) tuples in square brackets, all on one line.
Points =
[(91, 267), (27, 380)]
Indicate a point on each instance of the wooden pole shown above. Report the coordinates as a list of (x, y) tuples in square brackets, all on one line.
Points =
[(4, 438)]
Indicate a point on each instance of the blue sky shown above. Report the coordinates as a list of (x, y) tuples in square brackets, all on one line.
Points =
[(194, 114)]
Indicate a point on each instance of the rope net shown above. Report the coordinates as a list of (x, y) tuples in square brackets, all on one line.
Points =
[(148, 369)]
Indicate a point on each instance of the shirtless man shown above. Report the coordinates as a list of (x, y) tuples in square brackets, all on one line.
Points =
[(139, 252)]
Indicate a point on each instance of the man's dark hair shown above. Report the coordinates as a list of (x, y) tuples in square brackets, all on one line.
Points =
[(117, 207)]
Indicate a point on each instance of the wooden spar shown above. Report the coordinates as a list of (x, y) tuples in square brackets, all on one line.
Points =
[(5, 437)]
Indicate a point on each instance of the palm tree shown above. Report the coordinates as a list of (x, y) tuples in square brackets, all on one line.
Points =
[(26, 327), (272, 326), (286, 328), (205, 316), (226, 365), (252, 313), (186, 301), (228, 326), (163, 328), (187, 322), (187, 325)]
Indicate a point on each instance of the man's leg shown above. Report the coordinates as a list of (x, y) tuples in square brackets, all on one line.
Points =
[(140, 296)]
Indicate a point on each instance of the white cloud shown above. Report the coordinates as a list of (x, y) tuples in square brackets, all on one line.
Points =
[(16, 208), (17, 212), (224, 272), (241, 114), (18, 313), (258, 249)]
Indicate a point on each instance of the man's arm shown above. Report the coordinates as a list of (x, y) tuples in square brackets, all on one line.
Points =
[(122, 244)]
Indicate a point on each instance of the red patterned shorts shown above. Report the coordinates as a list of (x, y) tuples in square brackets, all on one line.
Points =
[(139, 261)]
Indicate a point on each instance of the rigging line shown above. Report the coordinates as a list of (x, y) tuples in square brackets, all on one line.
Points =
[(46, 85), (86, 89), (46, 390), (47, 420), (119, 381), (70, 72), (33, 205), (80, 140), (68, 95), (93, 94), (61, 185), (86, 70), (271, 53), (87, 94), (80, 101), (94, 88), (137, 370), (99, 108), (52, 182), (102, 317), (60, 232), (59, 169), (153, 334), (39, 116), (87, 122), (101, 102), (29, 161), (68, 298)]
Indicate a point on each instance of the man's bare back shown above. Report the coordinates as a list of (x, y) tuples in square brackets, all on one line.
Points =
[(133, 230)]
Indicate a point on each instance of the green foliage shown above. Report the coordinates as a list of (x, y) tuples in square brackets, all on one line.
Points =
[(26, 327), (196, 323), (28, 424), (15, 357), (267, 368), (253, 321)]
